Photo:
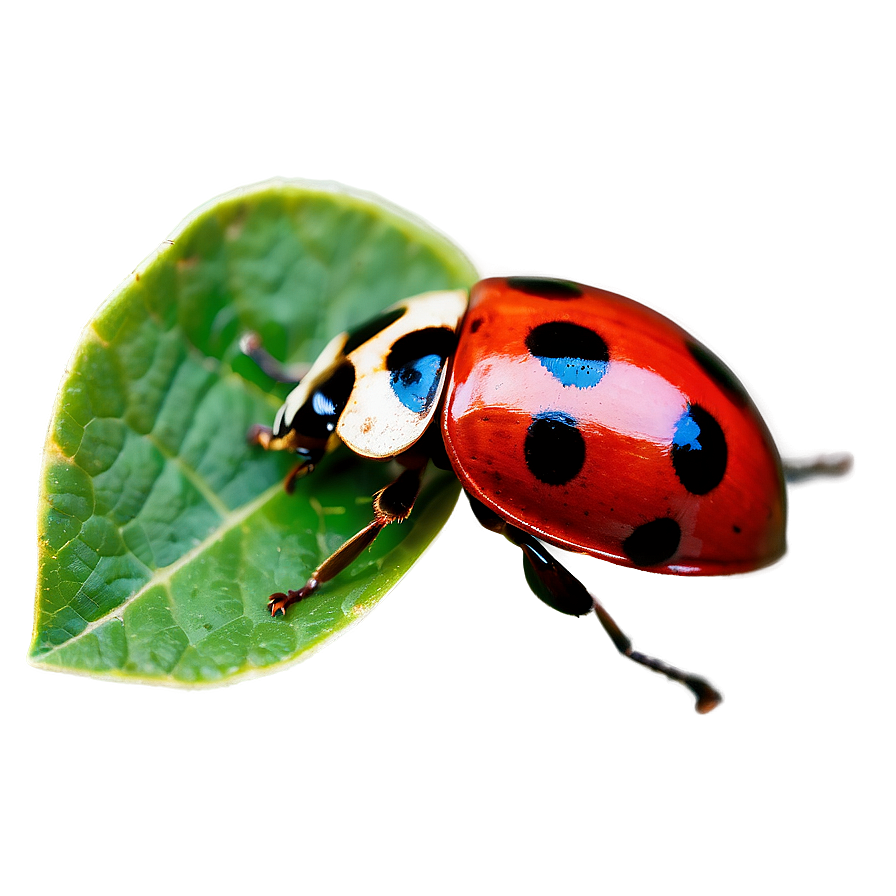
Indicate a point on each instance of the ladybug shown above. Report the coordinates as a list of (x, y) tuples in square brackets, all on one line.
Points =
[(572, 416)]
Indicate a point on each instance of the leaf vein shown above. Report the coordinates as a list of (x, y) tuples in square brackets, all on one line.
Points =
[(191, 475), (164, 575)]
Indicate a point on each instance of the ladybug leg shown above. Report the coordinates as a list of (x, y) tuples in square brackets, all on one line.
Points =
[(560, 589), (393, 504), (264, 437), (796, 469), (250, 345)]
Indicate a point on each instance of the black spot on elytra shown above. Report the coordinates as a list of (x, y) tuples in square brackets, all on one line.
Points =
[(545, 287), (415, 364), (475, 325), (368, 330), (653, 543), (699, 450), (573, 354), (554, 448), (562, 339), (718, 371)]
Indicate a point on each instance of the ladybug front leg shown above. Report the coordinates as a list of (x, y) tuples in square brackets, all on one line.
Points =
[(393, 504), (264, 437), (560, 589)]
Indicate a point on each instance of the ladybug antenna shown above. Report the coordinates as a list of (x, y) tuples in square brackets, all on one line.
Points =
[(251, 346)]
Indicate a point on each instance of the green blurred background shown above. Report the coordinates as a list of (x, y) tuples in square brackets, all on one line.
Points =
[(730, 165)]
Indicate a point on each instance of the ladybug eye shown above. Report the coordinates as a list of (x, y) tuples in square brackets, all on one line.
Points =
[(322, 404), (317, 417)]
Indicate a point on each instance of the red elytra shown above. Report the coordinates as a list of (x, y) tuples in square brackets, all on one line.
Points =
[(598, 425)]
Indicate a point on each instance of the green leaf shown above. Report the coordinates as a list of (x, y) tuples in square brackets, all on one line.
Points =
[(161, 532)]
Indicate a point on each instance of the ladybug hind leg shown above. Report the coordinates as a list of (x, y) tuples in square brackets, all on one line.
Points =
[(393, 504), (798, 469), (559, 588)]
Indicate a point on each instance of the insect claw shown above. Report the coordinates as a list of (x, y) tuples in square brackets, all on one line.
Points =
[(277, 603), (708, 698), (297, 472)]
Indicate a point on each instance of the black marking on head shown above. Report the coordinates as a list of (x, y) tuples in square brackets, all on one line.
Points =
[(718, 371), (572, 353), (316, 419), (699, 450), (653, 543), (545, 287), (415, 364), (366, 332), (554, 448)]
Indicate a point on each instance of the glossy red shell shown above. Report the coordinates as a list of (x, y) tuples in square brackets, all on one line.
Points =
[(630, 422)]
